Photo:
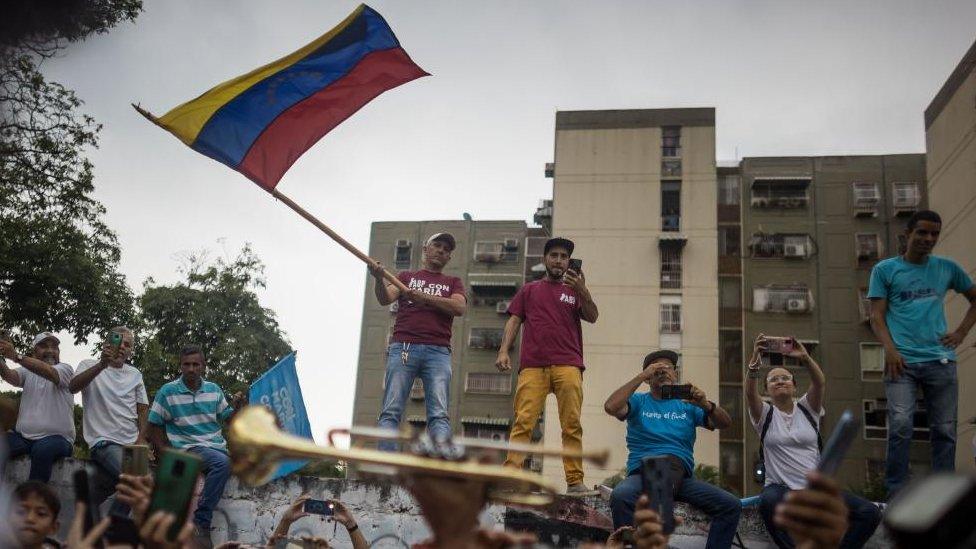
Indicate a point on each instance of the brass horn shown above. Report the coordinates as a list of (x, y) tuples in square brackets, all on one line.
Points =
[(257, 446)]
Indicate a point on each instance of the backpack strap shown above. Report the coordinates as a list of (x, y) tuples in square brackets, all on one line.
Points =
[(809, 416), (762, 435)]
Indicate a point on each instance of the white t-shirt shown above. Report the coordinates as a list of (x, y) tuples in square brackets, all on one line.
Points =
[(791, 449), (109, 403), (45, 408)]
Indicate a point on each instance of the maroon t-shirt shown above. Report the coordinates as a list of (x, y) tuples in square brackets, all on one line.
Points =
[(552, 333), (419, 323)]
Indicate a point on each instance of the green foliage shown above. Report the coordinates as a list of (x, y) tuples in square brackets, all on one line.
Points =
[(707, 473), (58, 259), (217, 308)]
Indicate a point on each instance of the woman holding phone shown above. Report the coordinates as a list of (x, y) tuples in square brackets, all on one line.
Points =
[(790, 442)]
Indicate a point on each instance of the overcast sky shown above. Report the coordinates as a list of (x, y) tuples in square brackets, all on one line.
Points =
[(786, 77)]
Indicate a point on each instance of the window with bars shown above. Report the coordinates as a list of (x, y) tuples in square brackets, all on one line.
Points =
[(868, 247), (670, 318), (780, 193), (866, 198), (671, 167), (670, 268), (876, 420), (777, 245), (728, 241), (671, 141), (905, 197), (872, 361), (402, 255), (670, 205), (534, 267), (782, 299), (488, 383), (485, 338), (497, 433)]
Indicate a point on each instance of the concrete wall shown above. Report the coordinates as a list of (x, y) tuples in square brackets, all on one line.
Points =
[(951, 149)]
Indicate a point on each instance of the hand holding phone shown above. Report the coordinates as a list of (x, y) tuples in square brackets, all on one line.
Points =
[(83, 495), (176, 477), (324, 507), (675, 392), (576, 265)]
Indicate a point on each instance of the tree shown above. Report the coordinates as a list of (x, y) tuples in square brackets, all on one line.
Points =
[(58, 259), (217, 308)]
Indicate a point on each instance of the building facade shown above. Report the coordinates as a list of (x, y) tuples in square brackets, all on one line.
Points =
[(950, 143), (636, 191), (493, 258)]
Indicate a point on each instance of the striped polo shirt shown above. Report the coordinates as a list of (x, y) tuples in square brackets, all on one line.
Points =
[(191, 418)]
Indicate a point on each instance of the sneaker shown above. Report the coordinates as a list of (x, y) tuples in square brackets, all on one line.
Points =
[(579, 490)]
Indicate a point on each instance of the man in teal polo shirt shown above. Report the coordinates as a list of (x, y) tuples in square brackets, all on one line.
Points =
[(191, 410)]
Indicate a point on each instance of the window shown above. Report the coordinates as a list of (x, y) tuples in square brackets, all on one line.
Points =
[(866, 198), (670, 318), (490, 432), (670, 268), (417, 390), (729, 302), (534, 268), (876, 420), (728, 241), (868, 248), (780, 246), (401, 255), (670, 205), (780, 193), (864, 305), (492, 291), (872, 361), (782, 299), (489, 384), (906, 197), (500, 251), (671, 167), (670, 141), (485, 338), (728, 190), (730, 356)]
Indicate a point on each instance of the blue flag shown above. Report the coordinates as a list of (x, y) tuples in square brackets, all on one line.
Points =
[(278, 389)]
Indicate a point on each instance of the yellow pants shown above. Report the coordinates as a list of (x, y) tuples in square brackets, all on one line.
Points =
[(534, 385)]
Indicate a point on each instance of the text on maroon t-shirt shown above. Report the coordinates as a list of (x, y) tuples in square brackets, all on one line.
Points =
[(421, 323), (551, 333)]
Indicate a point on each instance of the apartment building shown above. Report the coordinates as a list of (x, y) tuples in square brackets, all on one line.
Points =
[(636, 191), (812, 228), (494, 259), (950, 143)]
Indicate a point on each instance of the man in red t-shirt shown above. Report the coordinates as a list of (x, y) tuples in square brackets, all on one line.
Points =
[(421, 343), (551, 359)]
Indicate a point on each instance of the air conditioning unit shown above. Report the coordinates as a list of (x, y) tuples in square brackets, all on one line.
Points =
[(488, 257), (511, 243), (502, 306), (796, 305), (402, 243), (794, 250)]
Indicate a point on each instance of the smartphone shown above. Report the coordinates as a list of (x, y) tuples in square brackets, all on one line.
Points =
[(840, 440), (576, 265), (175, 479), (671, 392), (779, 345), (115, 339), (935, 511), (83, 495), (658, 485), (319, 507), (135, 459), (122, 531)]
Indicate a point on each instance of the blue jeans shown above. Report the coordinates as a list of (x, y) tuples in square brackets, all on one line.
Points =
[(43, 453), (107, 457), (722, 507), (863, 518), (216, 471), (433, 364), (940, 389)]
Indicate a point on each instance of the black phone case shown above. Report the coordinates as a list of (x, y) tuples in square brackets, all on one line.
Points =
[(659, 487), (83, 495)]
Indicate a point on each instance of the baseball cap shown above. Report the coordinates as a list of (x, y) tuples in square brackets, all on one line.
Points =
[(446, 238), (42, 336), (663, 353), (561, 242)]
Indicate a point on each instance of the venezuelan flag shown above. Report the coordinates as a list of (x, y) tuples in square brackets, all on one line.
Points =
[(261, 123)]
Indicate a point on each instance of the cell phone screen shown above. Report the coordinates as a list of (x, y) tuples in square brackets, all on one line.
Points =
[(319, 507), (576, 265)]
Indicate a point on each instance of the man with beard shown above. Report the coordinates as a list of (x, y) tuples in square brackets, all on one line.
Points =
[(421, 344), (908, 318), (191, 410), (551, 358), (45, 428), (667, 427)]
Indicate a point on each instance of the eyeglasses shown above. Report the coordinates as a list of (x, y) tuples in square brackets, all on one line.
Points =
[(776, 379)]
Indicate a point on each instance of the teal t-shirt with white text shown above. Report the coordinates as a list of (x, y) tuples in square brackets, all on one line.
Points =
[(915, 294), (662, 427)]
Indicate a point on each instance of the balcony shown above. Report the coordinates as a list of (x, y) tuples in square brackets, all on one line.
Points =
[(780, 193), (485, 338), (780, 246), (782, 299)]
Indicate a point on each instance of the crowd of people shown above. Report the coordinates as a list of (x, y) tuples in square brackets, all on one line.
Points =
[(797, 504)]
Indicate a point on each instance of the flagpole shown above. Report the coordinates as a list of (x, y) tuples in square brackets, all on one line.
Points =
[(335, 236)]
